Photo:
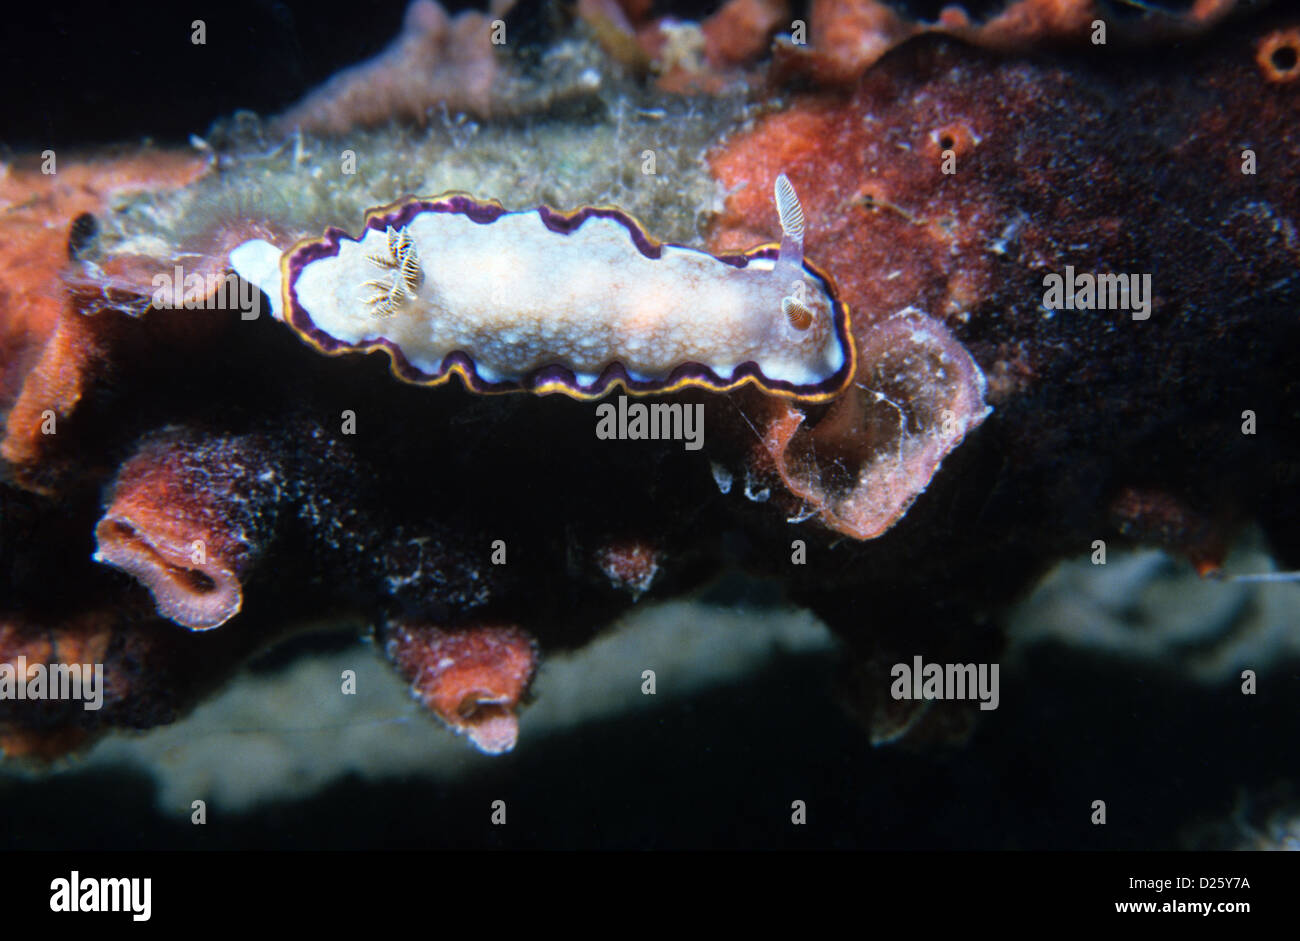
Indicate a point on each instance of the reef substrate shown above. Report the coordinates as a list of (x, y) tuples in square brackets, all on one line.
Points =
[(185, 483)]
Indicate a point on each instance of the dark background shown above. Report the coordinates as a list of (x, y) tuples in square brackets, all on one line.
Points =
[(721, 769), (92, 73)]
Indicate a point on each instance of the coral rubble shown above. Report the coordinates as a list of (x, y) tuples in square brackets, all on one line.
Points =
[(472, 679), (187, 518), (437, 61), (49, 213)]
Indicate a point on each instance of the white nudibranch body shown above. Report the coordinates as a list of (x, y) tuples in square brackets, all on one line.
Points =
[(567, 302)]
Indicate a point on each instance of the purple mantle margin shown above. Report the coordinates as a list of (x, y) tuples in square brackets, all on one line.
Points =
[(552, 377)]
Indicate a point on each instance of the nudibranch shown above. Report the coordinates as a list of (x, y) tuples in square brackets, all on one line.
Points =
[(572, 302)]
